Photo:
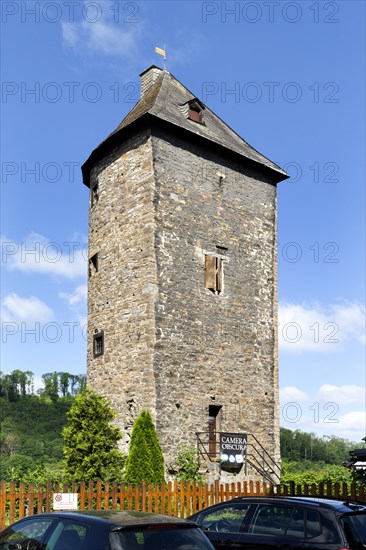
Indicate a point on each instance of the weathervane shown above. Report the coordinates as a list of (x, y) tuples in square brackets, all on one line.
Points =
[(163, 53)]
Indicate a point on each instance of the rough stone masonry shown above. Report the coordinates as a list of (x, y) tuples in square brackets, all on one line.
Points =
[(182, 294)]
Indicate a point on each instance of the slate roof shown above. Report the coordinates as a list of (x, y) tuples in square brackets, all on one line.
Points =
[(166, 100)]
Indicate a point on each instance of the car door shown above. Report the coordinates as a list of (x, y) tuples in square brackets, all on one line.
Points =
[(27, 534), (222, 524), (274, 527)]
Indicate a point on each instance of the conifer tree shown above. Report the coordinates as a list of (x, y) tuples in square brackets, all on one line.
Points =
[(145, 459), (90, 450)]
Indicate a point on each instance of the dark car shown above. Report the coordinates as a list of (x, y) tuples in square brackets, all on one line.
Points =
[(285, 523), (103, 530)]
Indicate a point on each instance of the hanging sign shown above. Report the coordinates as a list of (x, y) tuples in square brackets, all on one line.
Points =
[(233, 447)]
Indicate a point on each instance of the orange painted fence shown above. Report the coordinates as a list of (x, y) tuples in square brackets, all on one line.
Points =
[(173, 498)]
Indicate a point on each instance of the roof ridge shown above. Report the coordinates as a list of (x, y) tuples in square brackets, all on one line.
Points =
[(162, 101)]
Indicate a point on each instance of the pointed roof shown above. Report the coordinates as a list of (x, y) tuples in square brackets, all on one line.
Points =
[(168, 100)]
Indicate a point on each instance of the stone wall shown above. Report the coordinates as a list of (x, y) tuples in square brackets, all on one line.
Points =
[(121, 295), (214, 349)]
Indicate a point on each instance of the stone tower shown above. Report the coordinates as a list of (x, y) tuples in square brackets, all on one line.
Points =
[(182, 294)]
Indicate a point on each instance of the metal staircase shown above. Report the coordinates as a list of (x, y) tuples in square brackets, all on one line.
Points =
[(257, 461)]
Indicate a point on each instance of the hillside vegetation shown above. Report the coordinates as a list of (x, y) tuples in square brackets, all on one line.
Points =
[(31, 423)]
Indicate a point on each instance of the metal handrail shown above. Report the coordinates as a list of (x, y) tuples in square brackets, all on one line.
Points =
[(258, 458)]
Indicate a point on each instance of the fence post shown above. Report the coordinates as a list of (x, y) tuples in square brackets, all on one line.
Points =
[(217, 491), (181, 499), (48, 496), (188, 499), (176, 498), (30, 510), (82, 495), (163, 507), (90, 495), (99, 495), (143, 507), (137, 507), (170, 497), (12, 502), (21, 500), (2, 504)]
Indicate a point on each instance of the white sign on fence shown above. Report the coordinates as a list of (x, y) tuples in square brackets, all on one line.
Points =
[(65, 501)]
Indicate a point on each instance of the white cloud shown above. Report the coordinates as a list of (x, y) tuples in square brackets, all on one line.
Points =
[(353, 422), (37, 254), (70, 33), (315, 328), (104, 35), (292, 394), (27, 310), (342, 394), (77, 302)]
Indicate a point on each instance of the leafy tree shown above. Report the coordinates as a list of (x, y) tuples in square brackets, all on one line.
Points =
[(145, 459), (15, 466), (300, 446), (64, 382), (51, 385), (188, 465), (90, 450)]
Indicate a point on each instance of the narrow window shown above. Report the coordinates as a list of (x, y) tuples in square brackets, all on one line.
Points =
[(213, 411), (94, 194), (214, 274), (93, 264), (98, 343)]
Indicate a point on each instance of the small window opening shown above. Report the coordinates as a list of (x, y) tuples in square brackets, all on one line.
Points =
[(221, 250), (94, 194), (195, 112), (214, 274), (213, 428), (98, 344), (93, 264)]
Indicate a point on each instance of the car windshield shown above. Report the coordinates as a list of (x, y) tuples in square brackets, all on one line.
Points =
[(355, 527), (160, 539)]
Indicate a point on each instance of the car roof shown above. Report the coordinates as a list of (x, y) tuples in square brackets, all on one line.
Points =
[(123, 519), (340, 505)]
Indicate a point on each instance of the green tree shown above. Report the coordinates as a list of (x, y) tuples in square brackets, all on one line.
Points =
[(301, 446), (50, 380), (145, 459), (90, 450)]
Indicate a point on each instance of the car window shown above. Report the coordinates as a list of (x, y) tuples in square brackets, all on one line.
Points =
[(68, 535), (159, 539), (27, 535), (313, 524), (271, 519), (296, 526), (227, 518), (354, 526)]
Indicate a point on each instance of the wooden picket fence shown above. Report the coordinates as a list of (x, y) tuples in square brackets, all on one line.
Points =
[(174, 498)]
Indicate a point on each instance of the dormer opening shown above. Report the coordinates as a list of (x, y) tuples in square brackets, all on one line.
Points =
[(195, 111)]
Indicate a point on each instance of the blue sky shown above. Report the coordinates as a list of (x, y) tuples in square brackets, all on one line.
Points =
[(288, 77)]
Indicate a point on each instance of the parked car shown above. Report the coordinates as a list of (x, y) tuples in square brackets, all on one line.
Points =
[(103, 530), (284, 523)]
